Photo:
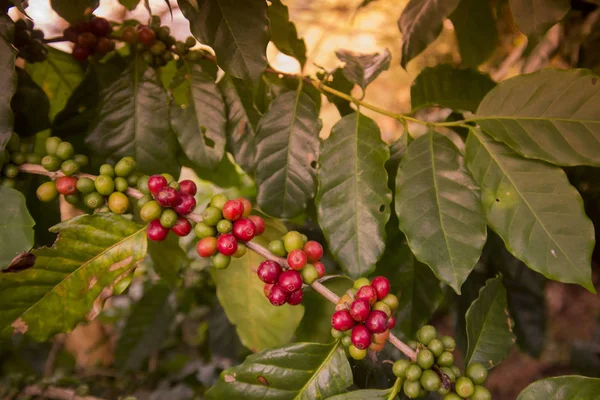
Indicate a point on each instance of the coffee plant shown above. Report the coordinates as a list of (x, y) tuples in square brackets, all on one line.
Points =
[(193, 189)]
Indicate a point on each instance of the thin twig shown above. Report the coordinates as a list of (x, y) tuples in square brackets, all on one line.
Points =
[(53, 392), (59, 341)]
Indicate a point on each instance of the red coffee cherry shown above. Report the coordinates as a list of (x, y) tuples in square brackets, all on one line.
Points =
[(296, 259), (244, 229), (146, 36), (360, 310), (155, 183), (295, 298), (156, 232), (367, 293), (391, 322), (269, 271), (267, 289), (66, 185), (207, 247), (341, 320), (186, 205), (320, 269), (247, 206), (182, 227), (100, 26), (277, 296), (259, 223), (361, 337), (290, 281), (168, 197), (188, 187), (80, 53), (233, 210), (377, 321), (227, 244), (381, 285), (313, 250), (87, 40)]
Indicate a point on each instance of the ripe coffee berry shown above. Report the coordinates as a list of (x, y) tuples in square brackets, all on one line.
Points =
[(188, 187), (361, 337), (146, 35), (100, 26), (156, 232), (244, 229), (227, 244), (295, 298), (247, 206), (182, 227), (155, 183), (66, 185), (259, 224), (207, 247), (313, 250), (168, 197), (269, 271), (290, 281), (186, 205), (80, 53), (391, 322), (376, 347), (381, 337), (341, 320), (296, 259), (377, 321), (381, 285), (233, 210), (360, 310), (267, 289), (368, 294), (320, 269), (277, 296)]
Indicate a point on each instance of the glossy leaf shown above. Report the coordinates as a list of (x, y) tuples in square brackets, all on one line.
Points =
[(445, 86), (284, 34), (167, 258), (550, 115), (354, 201), (199, 122), (476, 31), (421, 23), (287, 145), (489, 331), (302, 371), (8, 79), (438, 208), (74, 10), (16, 228), (362, 69), (133, 120), (534, 209), (70, 281), (236, 29), (371, 394), (30, 106), (562, 388), (534, 18)]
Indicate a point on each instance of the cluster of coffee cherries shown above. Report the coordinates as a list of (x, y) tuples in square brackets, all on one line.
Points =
[(29, 41), (90, 38), (364, 316), (226, 225), (419, 377), (165, 205), (15, 154)]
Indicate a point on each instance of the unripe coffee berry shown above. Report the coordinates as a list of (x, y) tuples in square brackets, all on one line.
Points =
[(356, 353), (464, 387), (188, 187), (211, 216), (412, 389), (276, 248), (293, 241), (290, 281), (85, 185), (426, 334), (381, 285), (221, 261), (361, 337), (376, 347), (436, 347), (277, 296), (10, 171), (446, 359), (247, 206), (65, 151), (182, 227), (309, 274), (377, 321), (118, 203), (381, 337), (156, 183), (186, 205), (448, 342), (425, 358), (203, 230), (360, 282), (296, 259), (168, 197), (121, 184), (51, 163), (244, 229), (392, 301), (104, 185), (337, 335), (267, 289), (51, 145), (381, 306), (94, 200), (233, 210), (66, 185), (227, 244), (224, 226), (481, 393), (295, 298), (342, 320), (33, 158), (207, 247), (72, 199), (269, 271), (124, 168), (241, 251), (150, 211), (399, 368), (156, 232), (218, 201), (360, 310), (46, 192), (313, 250), (413, 372), (368, 294), (430, 381), (346, 340), (259, 223), (477, 373)]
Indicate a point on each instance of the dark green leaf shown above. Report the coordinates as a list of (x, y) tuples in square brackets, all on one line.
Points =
[(284, 34), (438, 208), (362, 69), (550, 115), (167, 258), (354, 200), (70, 281), (226, 174), (8, 80), (130, 4), (340, 83), (238, 31), (287, 144), (534, 209), (397, 152), (199, 122), (445, 86), (469, 293), (133, 120), (371, 394), (16, 228), (534, 18), (421, 23), (562, 388), (476, 31), (74, 10), (302, 371), (146, 327), (30, 106), (489, 332)]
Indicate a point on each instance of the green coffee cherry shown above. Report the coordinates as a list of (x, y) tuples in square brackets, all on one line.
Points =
[(477, 373), (346, 341), (81, 160), (85, 185), (277, 248), (142, 184), (8, 183), (481, 393), (400, 367), (93, 200), (132, 179), (412, 389), (446, 359), (14, 143), (51, 145), (65, 151), (448, 342), (105, 185), (224, 226), (168, 218), (221, 261), (412, 344), (452, 396), (293, 241), (69, 167), (174, 185), (241, 251), (118, 203), (190, 41), (150, 211), (143, 200), (18, 158), (203, 230), (108, 170), (51, 163), (124, 168), (337, 335), (430, 381), (309, 274), (413, 372), (46, 192), (356, 353), (218, 201), (10, 171), (426, 334), (425, 359), (72, 199), (33, 158), (381, 306), (360, 282), (456, 371), (121, 184), (436, 347), (448, 371), (211, 216), (464, 387), (168, 177)]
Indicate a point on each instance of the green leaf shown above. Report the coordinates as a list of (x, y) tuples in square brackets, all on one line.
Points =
[(8, 79), (130, 4), (287, 144), (421, 23), (534, 209), (133, 120), (476, 31), (445, 86), (489, 333), (30, 106), (146, 327), (362, 69), (199, 122), (371, 394), (16, 226), (259, 325), (59, 75), (340, 83), (549, 115), (562, 388), (238, 31), (534, 18), (302, 371), (353, 200), (284, 34), (70, 281), (167, 258), (438, 207), (74, 10)]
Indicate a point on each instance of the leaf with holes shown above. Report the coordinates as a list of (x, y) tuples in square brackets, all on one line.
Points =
[(438, 208), (283, 32), (562, 388), (8, 80), (300, 371), (354, 201), (287, 144), (476, 31), (74, 10), (534, 18), (534, 209), (362, 69), (70, 281), (16, 228)]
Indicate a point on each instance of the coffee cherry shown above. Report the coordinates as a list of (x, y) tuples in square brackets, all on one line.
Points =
[(132, 180), (376, 347), (456, 371), (436, 347), (277, 296), (80, 53), (207, 247), (158, 48), (413, 372), (218, 201), (46, 192), (259, 224), (296, 259), (121, 184), (100, 26), (224, 226), (203, 230), (146, 36), (129, 35), (360, 310), (211, 216), (425, 359), (309, 274), (381, 306), (413, 344), (18, 158), (51, 163), (104, 46), (411, 389), (10, 171), (360, 282), (118, 203), (346, 340), (477, 373), (277, 248), (448, 342), (392, 301), (141, 202), (150, 211), (72, 199), (108, 170), (381, 337), (182, 227), (361, 337), (93, 200), (85, 185), (168, 197), (426, 334), (241, 251), (156, 183), (320, 269), (430, 381), (337, 335), (156, 232), (381, 285), (104, 185), (186, 205), (481, 393), (399, 368), (446, 359), (391, 322), (66, 185), (313, 250), (267, 289), (244, 229), (190, 41), (233, 210), (295, 298), (269, 271), (464, 387), (452, 396), (81, 160), (227, 244), (168, 218), (342, 320), (449, 373), (293, 241), (290, 281), (356, 353), (124, 167), (368, 294), (69, 167), (33, 158), (188, 187), (221, 261), (344, 302), (377, 321)]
